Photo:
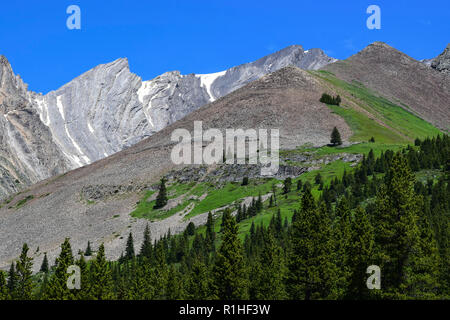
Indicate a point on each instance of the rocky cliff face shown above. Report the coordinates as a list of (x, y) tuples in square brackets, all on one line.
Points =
[(27, 151), (108, 109), (442, 62)]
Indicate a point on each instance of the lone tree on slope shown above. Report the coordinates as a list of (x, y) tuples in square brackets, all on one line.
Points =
[(336, 137), (161, 199)]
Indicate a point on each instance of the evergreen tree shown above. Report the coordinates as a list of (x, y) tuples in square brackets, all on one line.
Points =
[(88, 251), (57, 286), (44, 266), (299, 185), (199, 282), (174, 285), (12, 282), (270, 279), (146, 248), (101, 277), (230, 276), (287, 185), (336, 137), (210, 233), (190, 229), (311, 265), (397, 233), (245, 181), (342, 235), (84, 292), (24, 272), (360, 255), (129, 251), (161, 199)]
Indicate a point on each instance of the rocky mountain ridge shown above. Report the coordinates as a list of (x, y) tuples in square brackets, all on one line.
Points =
[(108, 109)]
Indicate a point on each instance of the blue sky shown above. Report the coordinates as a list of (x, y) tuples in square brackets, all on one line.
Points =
[(197, 36)]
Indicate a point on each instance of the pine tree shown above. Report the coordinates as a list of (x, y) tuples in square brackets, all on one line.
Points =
[(146, 247), (287, 185), (245, 181), (88, 251), (210, 236), (336, 137), (190, 229), (44, 266), (338, 100), (271, 276), (311, 263), (161, 272), (84, 292), (174, 285), (342, 235), (397, 234), (360, 255), (101, 277), (424, 263), (161, 199), (24, 272), (57, 286), (12, 282), (129, 251), (259, 203), (230, 276), (198, 282)]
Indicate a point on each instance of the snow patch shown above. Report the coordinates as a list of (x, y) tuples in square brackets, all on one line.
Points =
[(206, 80), (144, 90), (60, 107), (42, 107), (74, 143)]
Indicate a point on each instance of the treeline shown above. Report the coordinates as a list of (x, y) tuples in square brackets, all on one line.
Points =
[(376, 215)]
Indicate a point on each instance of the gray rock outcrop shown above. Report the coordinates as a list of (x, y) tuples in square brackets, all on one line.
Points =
[(442, 62)]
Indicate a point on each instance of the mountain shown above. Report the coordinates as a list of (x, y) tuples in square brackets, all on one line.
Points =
[(108, 109), (94, 202), (105, 200), (400, 78)]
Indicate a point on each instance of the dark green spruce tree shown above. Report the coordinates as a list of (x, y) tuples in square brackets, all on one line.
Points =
[(229, 273), (312, 270), (101, 278), (146, 247), (161, 199), (398, 238), (57, 286), (335, 137), (44, 266), (129, 250), (360, 256), (24, 275)]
